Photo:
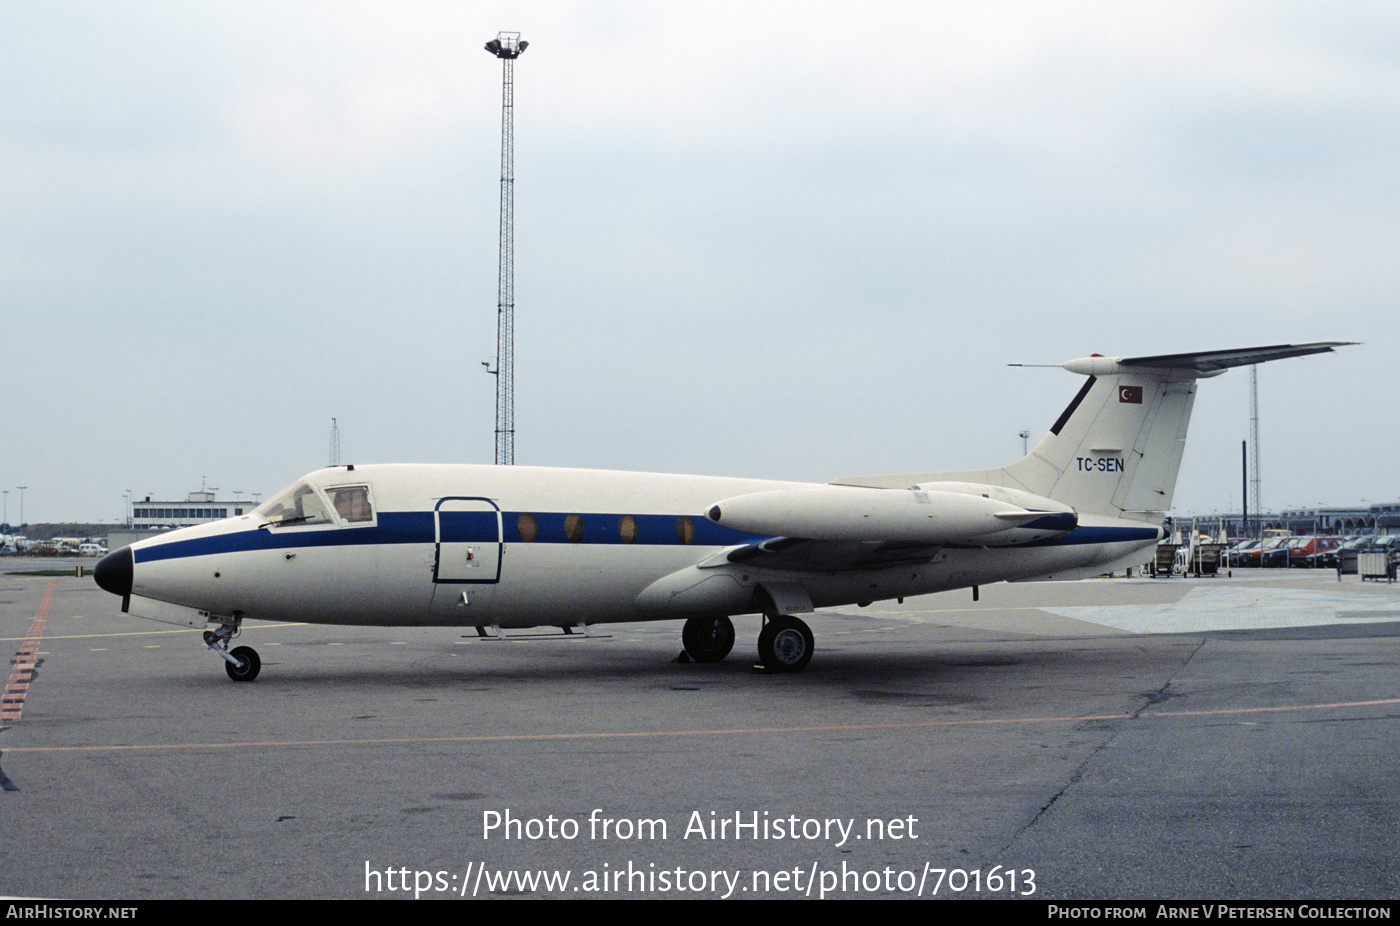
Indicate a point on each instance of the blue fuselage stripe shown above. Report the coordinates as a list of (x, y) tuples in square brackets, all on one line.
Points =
[(1088, 535), (397, 527), (401, 527)]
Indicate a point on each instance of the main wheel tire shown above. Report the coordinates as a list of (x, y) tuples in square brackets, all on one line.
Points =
[(249, 665), (708, 639), (785, 645)]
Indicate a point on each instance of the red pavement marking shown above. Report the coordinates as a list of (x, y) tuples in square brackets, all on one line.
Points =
[(22, 673)]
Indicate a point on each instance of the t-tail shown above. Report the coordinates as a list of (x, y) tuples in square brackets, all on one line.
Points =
[(1116, 448)]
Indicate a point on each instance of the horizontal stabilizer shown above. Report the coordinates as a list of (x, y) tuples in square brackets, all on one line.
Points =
[(1213, 361)]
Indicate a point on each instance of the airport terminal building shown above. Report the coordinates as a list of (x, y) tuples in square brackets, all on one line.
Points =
[(151, 517), (1383, 518), (199, 508)]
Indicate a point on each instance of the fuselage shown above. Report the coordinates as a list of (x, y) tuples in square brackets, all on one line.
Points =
[(465, 545)]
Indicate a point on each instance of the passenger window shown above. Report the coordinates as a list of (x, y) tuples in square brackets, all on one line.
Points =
[(351, 503), (527, 527), (627, 529), (573, 528), (685, 530)]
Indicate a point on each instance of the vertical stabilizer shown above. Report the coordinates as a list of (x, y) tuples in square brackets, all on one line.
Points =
[(1116, 449)]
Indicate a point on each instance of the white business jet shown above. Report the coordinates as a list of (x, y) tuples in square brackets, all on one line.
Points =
[(503, 547)]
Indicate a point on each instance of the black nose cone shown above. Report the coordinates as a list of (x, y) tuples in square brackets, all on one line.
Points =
[(113, 572)]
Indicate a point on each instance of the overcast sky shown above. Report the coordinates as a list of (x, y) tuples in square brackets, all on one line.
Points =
[(777, 239)]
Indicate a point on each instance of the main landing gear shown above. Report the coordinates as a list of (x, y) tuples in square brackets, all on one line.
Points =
[(708, 639), (242, 662), (784, 644)]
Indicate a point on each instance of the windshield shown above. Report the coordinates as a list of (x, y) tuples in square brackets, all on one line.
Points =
[(298, 504)]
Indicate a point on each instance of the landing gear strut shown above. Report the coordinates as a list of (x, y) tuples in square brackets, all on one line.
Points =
[(785, 644), (708, 639), (242, 663)]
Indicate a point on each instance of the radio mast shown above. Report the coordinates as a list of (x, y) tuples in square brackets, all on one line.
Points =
[(507, 46)]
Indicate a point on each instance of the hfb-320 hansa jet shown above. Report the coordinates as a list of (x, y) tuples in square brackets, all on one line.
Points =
[(503, 547)]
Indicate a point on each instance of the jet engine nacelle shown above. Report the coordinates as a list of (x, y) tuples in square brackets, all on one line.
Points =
[(1055, 518), (932, 513)]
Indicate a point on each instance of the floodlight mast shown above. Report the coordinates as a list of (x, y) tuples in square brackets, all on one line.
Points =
[(507, 46), (1255, 501)]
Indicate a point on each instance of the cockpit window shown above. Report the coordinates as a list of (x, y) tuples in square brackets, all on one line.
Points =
[(296, 505), (351, 503)]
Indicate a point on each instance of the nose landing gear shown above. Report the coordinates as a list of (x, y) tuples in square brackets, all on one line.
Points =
[(242, 663), (247, 667)]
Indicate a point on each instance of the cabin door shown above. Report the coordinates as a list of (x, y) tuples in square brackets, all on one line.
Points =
[(467, 560), (468, 542)]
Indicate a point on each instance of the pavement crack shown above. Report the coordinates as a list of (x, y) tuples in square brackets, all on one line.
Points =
[(1164, 692), (1075, 777), (1150, 698)]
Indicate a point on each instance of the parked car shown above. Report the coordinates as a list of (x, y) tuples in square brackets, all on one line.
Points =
[(1275, 552), (1356, 543), (1317, 552), (1234, 556), (1253, 555), (1389, 544)]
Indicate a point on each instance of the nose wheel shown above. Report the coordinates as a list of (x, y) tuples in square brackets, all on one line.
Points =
[(242, 664), (248, 664)]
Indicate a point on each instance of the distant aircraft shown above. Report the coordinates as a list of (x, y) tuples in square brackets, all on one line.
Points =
[(502, 547)]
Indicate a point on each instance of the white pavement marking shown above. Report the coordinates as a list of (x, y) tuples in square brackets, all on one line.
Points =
[(1240, 608)]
